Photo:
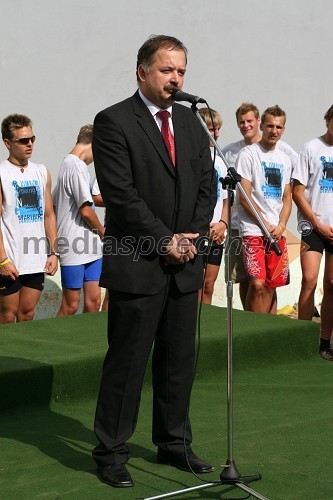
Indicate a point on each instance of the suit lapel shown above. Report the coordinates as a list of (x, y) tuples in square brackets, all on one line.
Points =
[(148, 124)]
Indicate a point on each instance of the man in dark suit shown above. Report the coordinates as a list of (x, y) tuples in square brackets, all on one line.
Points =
[(155, 173)]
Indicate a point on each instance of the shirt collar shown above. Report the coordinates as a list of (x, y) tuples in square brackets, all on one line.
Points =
[(152, 107)]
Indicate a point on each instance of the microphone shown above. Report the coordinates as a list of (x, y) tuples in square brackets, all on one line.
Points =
[(178, 95)]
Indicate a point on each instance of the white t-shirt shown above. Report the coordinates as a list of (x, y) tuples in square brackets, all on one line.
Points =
[(283, 146), (269, 172), (315, 171), (231, 152), (76, 240), (222, 194), (95, 191), (22, 218)]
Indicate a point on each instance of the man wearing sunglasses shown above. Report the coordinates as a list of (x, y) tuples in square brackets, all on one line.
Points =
[(28, 229)]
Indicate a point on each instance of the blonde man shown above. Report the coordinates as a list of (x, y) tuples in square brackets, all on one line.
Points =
[(218, 225), (248, 122), (79, 229), (265, 172)]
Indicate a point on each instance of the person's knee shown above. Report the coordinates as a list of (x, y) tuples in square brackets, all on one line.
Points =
[(26, 310), (328, 284), (8, 313), (209, 286), (309, 281), (92, 303), (257, 286), (26, 315), (7, 317), (8, 310), (69, 306)]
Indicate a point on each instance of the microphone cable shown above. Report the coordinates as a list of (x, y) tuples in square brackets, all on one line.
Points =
[(198, 336)]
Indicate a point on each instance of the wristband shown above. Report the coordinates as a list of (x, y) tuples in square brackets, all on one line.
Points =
[(4, 262), (224, 222), (56, 254)]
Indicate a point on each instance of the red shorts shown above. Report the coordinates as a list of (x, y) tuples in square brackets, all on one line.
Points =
[(262, 263)]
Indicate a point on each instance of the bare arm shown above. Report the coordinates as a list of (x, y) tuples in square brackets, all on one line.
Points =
[(305, 208), (247, 186), (50, 225), (3, 253), (277, 231), (91, 218), (217, 229), (9, 269), (98, 200)]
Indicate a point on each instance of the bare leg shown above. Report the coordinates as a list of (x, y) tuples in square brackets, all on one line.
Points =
[(273, 308), (243, 290), (9, 305), (92, 296), (326, 325), (29, 298), (259, 298), (70, 302), (105, 304), (211, 275), (310, 263)]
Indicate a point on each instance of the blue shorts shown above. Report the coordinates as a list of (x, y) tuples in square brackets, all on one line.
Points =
[(75, 276)]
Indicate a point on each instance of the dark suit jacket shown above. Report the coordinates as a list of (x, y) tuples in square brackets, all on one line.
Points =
[(147, 198)]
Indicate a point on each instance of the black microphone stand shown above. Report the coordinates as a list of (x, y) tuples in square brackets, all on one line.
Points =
[(230, 474)]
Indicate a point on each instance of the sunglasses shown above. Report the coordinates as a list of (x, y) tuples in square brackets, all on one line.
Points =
[(24, 140)]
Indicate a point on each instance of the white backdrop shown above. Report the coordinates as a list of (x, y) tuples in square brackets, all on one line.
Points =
[(61, 61)]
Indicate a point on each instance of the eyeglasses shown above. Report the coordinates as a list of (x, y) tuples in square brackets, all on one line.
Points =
[(24, 140)]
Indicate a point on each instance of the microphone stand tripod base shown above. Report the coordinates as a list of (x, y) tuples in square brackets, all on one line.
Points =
[(230, 472), (230, 475)]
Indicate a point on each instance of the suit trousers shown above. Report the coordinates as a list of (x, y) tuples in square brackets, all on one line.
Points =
[(136, 322)]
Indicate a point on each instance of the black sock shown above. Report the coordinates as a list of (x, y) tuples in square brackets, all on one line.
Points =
[(324, 344)]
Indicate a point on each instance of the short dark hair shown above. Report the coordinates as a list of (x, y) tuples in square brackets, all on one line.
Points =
[(85, 135), (328, 115), (13, 122), (148, 50), (274, 111)]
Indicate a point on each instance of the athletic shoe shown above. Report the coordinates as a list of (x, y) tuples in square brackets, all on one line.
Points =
[(327, 354)]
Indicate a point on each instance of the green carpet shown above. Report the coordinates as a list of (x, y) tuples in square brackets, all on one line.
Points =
[(49, 378)]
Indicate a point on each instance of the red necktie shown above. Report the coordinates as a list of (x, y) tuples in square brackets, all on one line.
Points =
[(167, 135)]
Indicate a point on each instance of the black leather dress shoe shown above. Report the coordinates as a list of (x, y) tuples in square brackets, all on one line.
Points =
[(116, 475), (189, 464)]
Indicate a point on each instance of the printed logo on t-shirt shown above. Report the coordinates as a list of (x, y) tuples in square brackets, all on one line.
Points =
[(28, 201), (272, 188), (219, 185), (326, 183)]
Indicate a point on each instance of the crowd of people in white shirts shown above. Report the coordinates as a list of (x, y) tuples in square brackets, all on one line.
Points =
[(272, 175)]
